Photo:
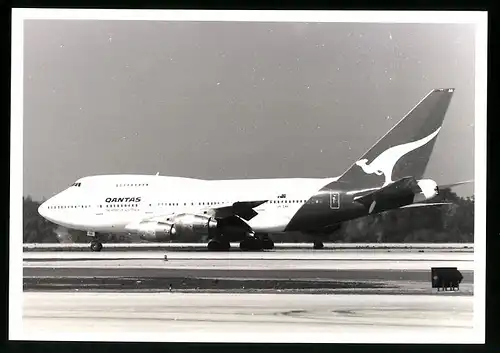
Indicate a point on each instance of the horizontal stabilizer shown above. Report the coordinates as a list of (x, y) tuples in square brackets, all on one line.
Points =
[(400, 188), (426, 204)]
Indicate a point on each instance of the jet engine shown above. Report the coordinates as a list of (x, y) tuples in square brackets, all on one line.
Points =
[(191, 224), (154, 231), (175, 227), (429, 190)]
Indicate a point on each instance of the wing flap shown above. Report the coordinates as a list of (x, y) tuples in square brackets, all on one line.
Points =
[(243, 209)]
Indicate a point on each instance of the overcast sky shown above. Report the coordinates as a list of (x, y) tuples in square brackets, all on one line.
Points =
[(234, 100)]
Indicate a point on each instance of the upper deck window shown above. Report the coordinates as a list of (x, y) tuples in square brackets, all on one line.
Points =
[(130, 185)]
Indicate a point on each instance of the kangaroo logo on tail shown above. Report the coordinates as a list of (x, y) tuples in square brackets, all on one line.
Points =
[(385, 162)]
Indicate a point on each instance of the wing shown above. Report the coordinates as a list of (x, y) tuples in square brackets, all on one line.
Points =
[(242, 209)]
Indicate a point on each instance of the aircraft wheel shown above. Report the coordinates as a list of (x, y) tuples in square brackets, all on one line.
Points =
[(318, 245), (218, 245), (95, 246), (225, 245), (253, 243), (267, 244)]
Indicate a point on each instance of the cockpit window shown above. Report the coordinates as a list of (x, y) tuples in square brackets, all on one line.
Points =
[(77, 184)]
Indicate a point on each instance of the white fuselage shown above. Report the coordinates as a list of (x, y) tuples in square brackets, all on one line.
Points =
[(100, 204)]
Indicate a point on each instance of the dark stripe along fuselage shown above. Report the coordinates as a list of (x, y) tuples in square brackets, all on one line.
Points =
[(322, 210)]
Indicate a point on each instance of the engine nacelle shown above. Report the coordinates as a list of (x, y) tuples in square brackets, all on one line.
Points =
[(176, 227), (154, 231), (191, 224), (429, 190)]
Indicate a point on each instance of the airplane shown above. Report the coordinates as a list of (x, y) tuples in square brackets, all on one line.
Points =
[(164, 208)]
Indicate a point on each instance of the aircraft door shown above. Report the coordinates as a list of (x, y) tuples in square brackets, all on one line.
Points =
[(334, 200)]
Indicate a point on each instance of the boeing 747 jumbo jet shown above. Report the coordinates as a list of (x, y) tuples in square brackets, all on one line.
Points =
[(161, 208)]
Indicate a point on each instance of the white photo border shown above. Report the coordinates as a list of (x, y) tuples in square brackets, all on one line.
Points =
[(479, 19)]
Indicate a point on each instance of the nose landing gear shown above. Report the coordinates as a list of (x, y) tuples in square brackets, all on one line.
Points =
[(95, 245)]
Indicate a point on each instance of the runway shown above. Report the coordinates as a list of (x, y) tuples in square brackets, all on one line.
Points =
[(247, 317), (317, 260), (354, 271), (353, 295)]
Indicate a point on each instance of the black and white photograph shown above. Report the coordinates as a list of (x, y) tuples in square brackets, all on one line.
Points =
[(248, 176)]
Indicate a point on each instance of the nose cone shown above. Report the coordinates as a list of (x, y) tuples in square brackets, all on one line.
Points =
[(42, 210)]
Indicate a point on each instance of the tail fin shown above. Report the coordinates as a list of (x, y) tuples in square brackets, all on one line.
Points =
[(404, 150)]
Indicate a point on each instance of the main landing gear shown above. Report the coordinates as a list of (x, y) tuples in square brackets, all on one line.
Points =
[(250, 243), (218, 245), (318, 244), (257, 243)]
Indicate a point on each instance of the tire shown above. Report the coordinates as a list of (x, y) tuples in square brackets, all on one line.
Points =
[(213, 245), (95, 246), (267, 244), (318, 245), (251, 244), (217, 245)]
